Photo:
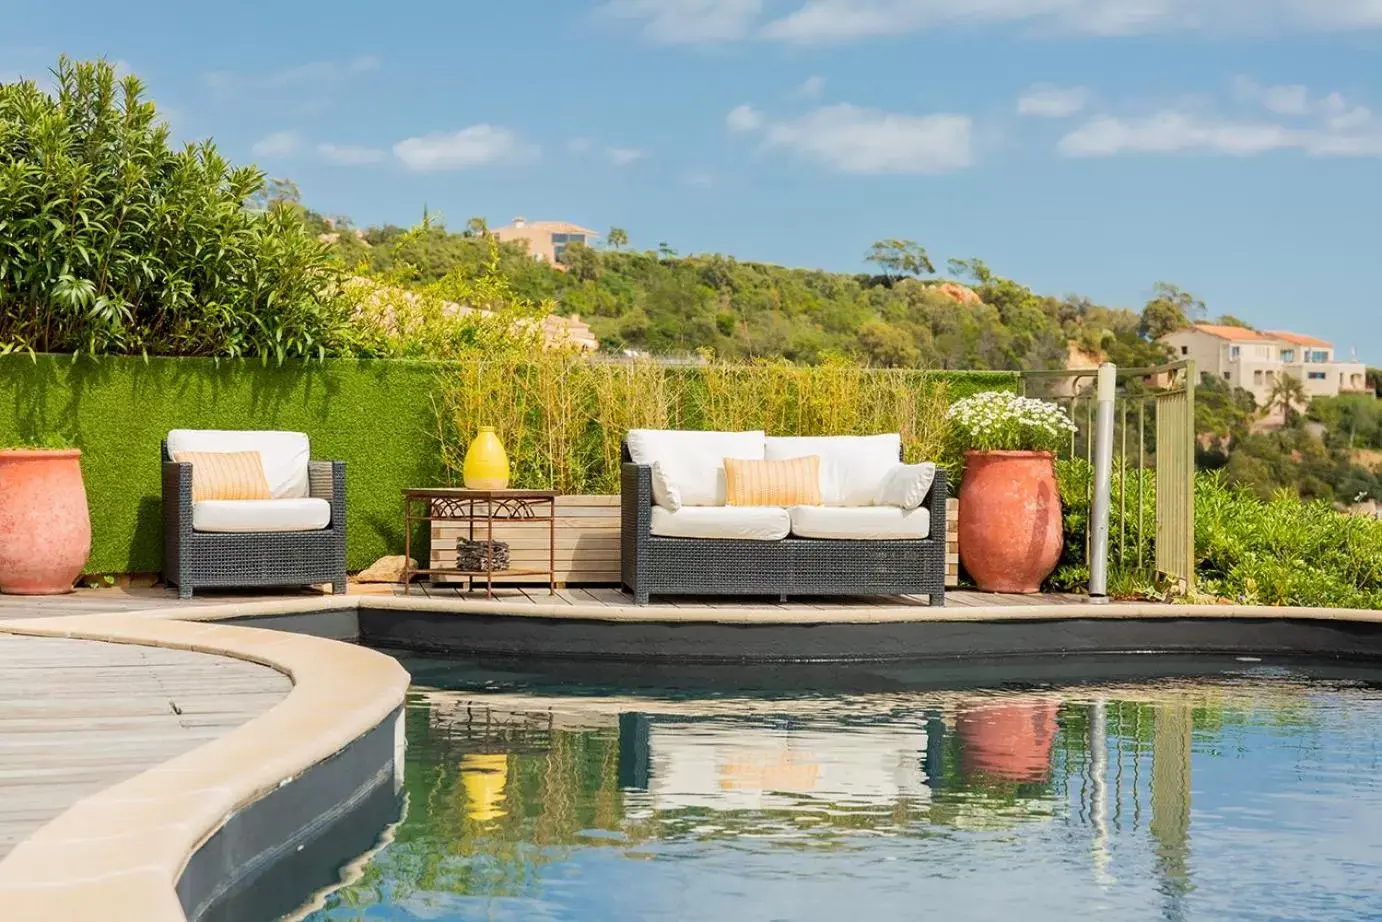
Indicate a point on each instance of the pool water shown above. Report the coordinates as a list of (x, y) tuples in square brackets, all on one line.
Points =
[(1214, 790)]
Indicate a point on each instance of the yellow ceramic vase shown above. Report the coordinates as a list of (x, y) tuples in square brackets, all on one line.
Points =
[(483, 776), (486, 465)]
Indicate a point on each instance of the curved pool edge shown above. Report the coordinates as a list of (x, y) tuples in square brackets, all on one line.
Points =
[(173, 837)]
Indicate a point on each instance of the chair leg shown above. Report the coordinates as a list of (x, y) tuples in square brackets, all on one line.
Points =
[(338, 584), (184, 591)]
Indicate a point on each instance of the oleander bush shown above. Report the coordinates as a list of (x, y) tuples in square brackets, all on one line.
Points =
[(562, 418), (112, 240)]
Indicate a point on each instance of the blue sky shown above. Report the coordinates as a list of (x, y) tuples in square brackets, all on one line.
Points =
[(1080, 146)]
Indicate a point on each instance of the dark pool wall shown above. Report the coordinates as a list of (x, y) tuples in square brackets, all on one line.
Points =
[(499, 635), (274, 853)]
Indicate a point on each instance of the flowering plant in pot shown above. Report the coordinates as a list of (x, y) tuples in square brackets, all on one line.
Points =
[(1010, 510), (45, 527)]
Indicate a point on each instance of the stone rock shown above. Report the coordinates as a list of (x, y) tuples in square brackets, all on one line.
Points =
[(959, 293), (385, 570)]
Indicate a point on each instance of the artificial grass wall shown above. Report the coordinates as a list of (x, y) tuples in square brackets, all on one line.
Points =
[(377, 416), (380, 417)]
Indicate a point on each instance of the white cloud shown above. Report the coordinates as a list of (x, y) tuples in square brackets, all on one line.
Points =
[(835, 21), (1045, 101), (811, 88), (579, 145), (688, 22), (314, 78), (278, 145), (1357, 132), (857, 140), (478, 145), (744, 118), (351, 154), (623, 156)]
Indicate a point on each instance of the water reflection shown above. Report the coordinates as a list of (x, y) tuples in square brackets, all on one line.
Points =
[(539, 804)]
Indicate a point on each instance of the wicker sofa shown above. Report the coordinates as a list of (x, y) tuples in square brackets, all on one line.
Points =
[(848, 545), (297, 538)]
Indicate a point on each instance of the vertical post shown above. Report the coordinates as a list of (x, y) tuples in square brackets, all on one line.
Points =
[(1190, 479), (1103, 482)]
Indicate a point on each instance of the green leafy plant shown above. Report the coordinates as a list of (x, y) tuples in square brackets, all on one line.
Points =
[(48, 441), (1004, 421), (113, 241)]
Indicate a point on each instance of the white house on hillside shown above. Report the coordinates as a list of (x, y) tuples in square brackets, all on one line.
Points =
[(1253, 360)]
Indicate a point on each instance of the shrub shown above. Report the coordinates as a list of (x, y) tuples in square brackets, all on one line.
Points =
[(1281, 551), (114, 242)]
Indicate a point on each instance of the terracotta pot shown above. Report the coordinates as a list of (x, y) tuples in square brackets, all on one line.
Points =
[(1008, 741), (1010, 519), (45, 529), (486, 465)]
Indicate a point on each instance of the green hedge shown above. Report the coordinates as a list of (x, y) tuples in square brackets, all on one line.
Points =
[(398, 424), (377, 416)]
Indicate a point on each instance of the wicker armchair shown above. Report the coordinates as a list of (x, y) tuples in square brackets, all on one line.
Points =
[(205, 559), (654, 565)]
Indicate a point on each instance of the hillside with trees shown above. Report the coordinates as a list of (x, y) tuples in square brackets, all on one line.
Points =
[(903, 315)]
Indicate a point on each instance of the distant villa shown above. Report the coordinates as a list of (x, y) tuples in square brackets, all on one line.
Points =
[(546, 240)]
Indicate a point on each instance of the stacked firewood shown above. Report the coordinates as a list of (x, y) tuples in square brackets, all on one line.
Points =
[(481, 556)]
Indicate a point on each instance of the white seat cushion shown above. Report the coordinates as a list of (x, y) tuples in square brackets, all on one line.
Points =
[(285, 454), (871, 523), (852, 466), (743, 523), (691, 464), (247, 515)]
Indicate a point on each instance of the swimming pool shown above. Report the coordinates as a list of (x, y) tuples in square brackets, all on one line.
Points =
[(1150, 788)]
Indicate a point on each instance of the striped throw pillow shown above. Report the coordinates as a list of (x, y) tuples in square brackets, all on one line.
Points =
[(793, 482), (226, 474)]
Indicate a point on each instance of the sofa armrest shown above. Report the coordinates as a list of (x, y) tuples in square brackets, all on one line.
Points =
[(636, 517), (177, 496), (326, 480), (936, 504)]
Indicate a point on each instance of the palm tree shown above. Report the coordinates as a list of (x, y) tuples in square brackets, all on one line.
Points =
[(1288, 392), (617, 237)]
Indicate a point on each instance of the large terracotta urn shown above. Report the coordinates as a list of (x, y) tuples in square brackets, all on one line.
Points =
[(1009, 741), (1010, 519), (45, 528)]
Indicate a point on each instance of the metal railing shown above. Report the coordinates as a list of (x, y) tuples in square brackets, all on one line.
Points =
[(1152, 502)]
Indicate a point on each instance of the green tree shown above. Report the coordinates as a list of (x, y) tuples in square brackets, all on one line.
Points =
[(1228, 320), (115, 241), (1169, 310), (617, 237), (1288, 393), (477, 227), (899, 258), (582, 261)]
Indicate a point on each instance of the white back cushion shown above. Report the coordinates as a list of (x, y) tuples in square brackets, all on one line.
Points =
[(285, 454), (852, 466), (692, 464)]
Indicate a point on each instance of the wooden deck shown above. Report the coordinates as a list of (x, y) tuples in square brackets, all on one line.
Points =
[(77, 716), (615, 598), (95, 601)]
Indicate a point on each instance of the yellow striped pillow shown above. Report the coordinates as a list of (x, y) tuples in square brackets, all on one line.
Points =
[(793, 482), (226, 474)]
